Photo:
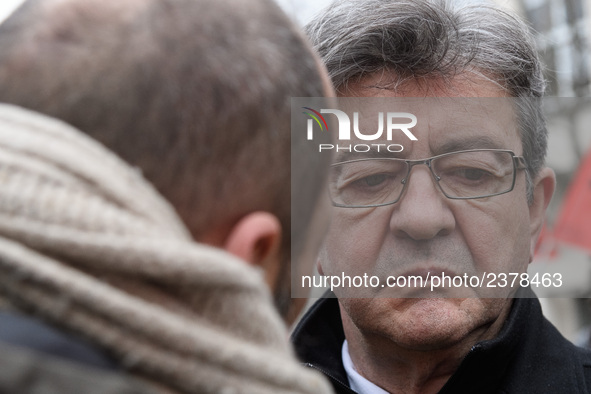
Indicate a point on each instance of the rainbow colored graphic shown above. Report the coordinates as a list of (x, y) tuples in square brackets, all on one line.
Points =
[(316, 115)]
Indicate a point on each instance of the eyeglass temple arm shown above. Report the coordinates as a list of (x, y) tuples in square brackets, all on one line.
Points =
[(520, 162)]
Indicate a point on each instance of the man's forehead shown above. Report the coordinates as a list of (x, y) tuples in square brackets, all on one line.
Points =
[(442, 125), (452, 124), (386, 83), (467, 106)]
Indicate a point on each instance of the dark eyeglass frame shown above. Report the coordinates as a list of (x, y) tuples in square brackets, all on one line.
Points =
[(518, 164)]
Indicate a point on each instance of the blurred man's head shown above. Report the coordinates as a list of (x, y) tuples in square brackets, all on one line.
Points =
[(192, 93)]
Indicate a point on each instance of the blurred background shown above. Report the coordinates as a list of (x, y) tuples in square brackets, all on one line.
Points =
[(564, 33)]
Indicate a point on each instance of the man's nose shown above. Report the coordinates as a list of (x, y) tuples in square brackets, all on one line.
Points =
[(423, 212)]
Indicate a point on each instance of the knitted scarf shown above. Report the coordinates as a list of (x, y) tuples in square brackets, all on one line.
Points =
[(90, 246)]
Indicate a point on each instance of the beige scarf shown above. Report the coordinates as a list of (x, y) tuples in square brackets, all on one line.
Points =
[(87, 244)]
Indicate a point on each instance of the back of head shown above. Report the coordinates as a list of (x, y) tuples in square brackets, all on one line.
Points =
[(192, 92), (422, 41)]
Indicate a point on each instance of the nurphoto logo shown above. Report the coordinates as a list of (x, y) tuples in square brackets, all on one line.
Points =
[(395, 122)]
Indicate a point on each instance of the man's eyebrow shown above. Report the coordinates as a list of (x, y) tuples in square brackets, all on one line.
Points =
[(473, 142), (373, 153), (454, 145)]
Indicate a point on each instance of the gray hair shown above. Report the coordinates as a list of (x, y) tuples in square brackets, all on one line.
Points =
[(426, 39)]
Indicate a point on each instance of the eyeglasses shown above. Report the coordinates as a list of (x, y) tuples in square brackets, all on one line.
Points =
[(467, 174)]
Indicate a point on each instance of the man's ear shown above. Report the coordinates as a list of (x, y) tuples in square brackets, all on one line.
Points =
[(319, 267), (544, 185), (256, 239)]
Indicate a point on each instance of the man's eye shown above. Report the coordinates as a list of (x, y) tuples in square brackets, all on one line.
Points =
[(472, 174), (373, 180)]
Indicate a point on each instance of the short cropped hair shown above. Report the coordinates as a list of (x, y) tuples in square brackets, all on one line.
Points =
[(194, 93), (437, 39)]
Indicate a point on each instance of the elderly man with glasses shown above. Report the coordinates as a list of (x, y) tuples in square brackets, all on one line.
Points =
[(466, 199)]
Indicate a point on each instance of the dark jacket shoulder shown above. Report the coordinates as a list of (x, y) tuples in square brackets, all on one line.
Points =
[(39, 359), (28, 332), (24, 371)]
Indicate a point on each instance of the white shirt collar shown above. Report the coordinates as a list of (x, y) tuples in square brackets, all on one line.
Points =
[(357, 382)]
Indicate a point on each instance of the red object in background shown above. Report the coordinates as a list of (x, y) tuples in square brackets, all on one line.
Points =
[(574, 221), (546, 247)]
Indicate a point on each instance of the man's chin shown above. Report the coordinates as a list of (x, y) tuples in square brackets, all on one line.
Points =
[(438, 323), (426, 324), (409, 292)]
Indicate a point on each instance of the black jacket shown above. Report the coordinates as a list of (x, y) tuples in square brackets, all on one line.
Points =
[(38, 359), (33, 334), (528, 356)]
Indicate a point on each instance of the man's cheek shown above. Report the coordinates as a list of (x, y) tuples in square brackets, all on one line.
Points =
[(350, 252), (498, 249), (494, 232)]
